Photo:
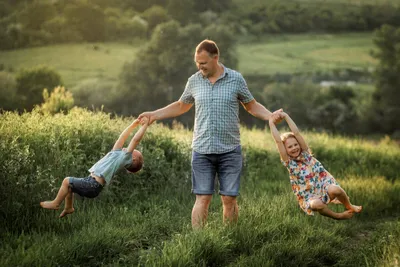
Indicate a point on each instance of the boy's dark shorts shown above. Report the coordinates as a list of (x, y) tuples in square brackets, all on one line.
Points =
[(85, 187)]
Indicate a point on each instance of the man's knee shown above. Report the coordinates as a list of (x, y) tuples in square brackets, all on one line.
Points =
[(228, 200), (203, 199)]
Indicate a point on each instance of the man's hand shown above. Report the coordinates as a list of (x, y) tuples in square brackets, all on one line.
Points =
[(144, 121), (149, 115), (277, 116)]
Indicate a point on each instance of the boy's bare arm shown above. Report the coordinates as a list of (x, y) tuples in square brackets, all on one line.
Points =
[(125, 134), (139, 135)]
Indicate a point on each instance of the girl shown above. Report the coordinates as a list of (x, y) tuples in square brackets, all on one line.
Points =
[(313, 186)]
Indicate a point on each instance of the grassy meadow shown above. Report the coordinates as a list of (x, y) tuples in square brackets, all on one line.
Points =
[(144, 219), (273, 54)]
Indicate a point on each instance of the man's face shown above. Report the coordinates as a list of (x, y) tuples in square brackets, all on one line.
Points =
[(205, 64)]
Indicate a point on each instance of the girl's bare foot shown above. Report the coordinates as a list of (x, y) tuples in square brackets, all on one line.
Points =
[(50, 205), (346, 215), (65, 212), (356, 209)]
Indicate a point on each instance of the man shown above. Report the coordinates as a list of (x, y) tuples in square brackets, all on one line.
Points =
[(216, 92)]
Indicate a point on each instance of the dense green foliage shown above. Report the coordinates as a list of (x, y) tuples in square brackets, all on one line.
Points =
[(385, 105), (143, 219), (30, 85), (32, 23)]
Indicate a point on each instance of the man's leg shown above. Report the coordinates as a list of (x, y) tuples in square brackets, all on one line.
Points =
[(230, 209), (200, 211), (229, 171), (203, 177)]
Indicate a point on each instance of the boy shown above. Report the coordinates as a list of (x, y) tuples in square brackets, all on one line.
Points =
[(102, 172)]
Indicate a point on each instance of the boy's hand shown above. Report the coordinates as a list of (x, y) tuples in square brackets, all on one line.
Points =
[(144, 121)]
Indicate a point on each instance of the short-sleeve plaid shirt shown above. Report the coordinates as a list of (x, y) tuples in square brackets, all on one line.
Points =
[(216, 125)]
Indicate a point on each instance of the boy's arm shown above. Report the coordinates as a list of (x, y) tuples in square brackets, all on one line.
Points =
[(124, 135), (138, 136), (295, 131), (278, 141)]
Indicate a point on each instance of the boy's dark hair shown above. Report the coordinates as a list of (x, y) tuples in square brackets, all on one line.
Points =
[(138, 162)]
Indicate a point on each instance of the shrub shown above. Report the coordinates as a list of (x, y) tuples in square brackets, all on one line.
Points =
[(57, 101), (31, 82)]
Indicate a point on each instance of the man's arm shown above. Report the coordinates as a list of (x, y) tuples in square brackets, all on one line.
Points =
[(174, 109), (257, 110), (125, 133), (138, 135)]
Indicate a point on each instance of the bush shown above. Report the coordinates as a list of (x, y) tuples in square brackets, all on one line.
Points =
[(8, 91), (57, 101), (31, 82)]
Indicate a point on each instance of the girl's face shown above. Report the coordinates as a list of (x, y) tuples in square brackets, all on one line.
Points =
[(292, 147)]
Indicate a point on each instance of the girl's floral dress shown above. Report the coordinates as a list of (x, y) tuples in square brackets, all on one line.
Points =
[(309, 180)]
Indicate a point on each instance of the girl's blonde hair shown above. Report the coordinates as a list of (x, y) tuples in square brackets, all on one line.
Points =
[(287, 135)]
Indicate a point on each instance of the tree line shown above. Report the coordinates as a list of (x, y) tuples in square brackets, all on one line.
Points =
[(158, 74), (25, 23)]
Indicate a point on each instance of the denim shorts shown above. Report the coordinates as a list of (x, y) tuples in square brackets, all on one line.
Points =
[(227, 166), (85, 187)]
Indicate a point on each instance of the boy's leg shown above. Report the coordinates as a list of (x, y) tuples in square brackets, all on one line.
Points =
[(319, 206), (69, 204), (337, 192), (62, 193)]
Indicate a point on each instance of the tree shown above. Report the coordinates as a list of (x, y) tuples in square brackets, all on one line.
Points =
[(160, 70), (89, 20), (385, 103), (31, 82)]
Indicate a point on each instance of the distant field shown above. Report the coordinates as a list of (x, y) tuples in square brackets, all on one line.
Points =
[(300, 53), (279, 53), (74, 62)]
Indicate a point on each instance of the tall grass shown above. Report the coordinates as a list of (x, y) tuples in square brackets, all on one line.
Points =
[(144, 219)]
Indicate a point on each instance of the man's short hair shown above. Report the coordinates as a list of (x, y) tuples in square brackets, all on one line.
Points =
[(209, 46)]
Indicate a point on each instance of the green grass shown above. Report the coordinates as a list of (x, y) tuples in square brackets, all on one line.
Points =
[(75, 62), (279, 53), (303, 53), (130, 224)]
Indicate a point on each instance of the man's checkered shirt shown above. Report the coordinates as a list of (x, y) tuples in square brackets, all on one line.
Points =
[(216, 125)]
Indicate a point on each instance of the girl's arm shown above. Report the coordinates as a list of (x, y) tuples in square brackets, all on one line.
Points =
[(138, 136), (278, 141), (124, 135), (296, 132)]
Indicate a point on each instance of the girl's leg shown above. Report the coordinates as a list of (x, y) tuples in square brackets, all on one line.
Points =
[(319, 206), (69, 204), (62, 193), (337, 192)]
